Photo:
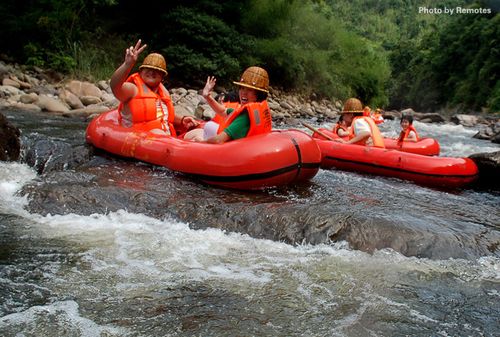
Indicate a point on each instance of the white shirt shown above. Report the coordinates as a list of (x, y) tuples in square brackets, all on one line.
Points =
[(210, 129), (359, 126)]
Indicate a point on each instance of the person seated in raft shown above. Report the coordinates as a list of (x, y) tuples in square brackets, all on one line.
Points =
[(363, 130), (142, 96), (340, 128), (408, 132), (375, 115), (250, 117)]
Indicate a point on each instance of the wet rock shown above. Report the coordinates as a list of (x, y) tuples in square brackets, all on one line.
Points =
[(10, 144), (489, 168), (100, 186), (429, 117), (47, 155), (485, 132), (408, 111), (391, 114), (496, 138), (489, 131), (26, 107), (465, 120)]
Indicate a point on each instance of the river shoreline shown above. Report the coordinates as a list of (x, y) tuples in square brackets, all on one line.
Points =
[(35, 89)]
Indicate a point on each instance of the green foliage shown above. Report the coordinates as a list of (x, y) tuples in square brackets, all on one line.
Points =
[(43, 32), (305, 50), (458, 65), (202, 45), (494, 99), (384, 52), (91, 62)]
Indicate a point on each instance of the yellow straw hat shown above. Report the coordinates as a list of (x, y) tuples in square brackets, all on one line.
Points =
[(155, 61), (255, 78), (353, 105)]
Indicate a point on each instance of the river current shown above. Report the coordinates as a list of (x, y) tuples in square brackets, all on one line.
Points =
[(74, 269)]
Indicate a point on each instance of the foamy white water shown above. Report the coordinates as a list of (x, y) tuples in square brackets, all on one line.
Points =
[(106, 266), (454, 140)]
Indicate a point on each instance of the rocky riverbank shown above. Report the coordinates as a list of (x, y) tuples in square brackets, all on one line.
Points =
[(35, 89)]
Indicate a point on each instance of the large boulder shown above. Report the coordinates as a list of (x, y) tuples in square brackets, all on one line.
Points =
[(9, 140), (47, 155), (84, 89), (51, 104), (489, 168), (70, 99), (465, 120), (432, 117), (489, 132)]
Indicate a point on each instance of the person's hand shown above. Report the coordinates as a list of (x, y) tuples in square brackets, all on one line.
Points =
[(340, 140), (209, 86), (133, 52), (189, 122)]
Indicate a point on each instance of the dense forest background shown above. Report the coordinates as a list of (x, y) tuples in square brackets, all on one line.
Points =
[(385, 52)]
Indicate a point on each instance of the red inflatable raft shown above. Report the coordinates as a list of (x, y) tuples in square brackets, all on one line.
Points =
[(425, 146), (424, 170), (273, 159)]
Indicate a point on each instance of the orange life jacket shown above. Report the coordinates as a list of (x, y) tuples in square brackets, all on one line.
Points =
[(337, 128), (232, 105), (143, 106), (259, 114), (377, 139), (378, 118), (404, 134), (229, 105)]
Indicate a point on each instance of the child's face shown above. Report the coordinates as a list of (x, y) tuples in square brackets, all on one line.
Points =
[(348, 117), (247, 95), (405, 124)]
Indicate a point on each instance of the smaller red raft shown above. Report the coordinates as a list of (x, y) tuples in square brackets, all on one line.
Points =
[(425, 170), (274, 159), (425, 146)]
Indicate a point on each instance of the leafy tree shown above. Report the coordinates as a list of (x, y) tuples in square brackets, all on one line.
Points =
[(460, 65), (384, 52), (308, 51)]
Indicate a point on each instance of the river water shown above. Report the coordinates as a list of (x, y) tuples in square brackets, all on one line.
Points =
[(71, 268)]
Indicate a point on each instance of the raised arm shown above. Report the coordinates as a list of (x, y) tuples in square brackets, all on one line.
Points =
[(122, 90), (219, 108)]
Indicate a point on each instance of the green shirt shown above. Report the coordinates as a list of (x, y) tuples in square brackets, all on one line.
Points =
[(239, 127)]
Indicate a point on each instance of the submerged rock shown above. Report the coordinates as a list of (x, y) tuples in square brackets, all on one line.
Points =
[(489, 168), (294, 215), (10, 144), (47, 155)]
